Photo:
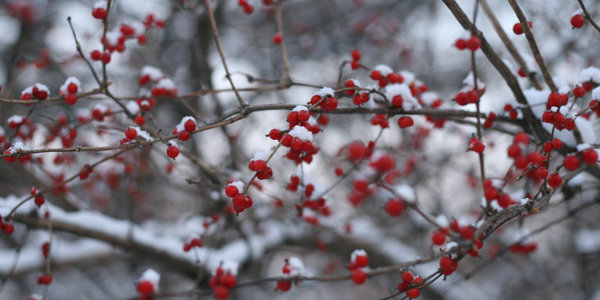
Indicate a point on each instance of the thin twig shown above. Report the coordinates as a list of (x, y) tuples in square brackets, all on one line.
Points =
[(213, 25)]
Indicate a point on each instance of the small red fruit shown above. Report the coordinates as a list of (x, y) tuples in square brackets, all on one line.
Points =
[(359, 277), (172, 151), (577, 21)]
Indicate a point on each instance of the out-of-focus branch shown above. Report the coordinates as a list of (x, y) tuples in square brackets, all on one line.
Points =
[(533, 45), (509, 44), (587, 16), (213, 25)]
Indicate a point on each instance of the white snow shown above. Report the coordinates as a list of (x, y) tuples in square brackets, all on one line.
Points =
[(152, 72), (409, 77), (302, 133), (100, 4), (409, 102), (590, 74), (406, 192), (260, 155), (143, 134), (325, 91), (429, 97), (587, 240), (27, 90), (16, 119), (231, 267), (300, 108), (357, 252), (166, 83), (181, 126), (596, 93), (132, 107), (383, 69), (151, 276), (112, 38), (238, 184), (64, 86)]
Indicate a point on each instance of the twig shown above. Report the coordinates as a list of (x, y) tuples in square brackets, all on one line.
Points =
[(81, 53), (213, 25), (587, 16), (533, 45)]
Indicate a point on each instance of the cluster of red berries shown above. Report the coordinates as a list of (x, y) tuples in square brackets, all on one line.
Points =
[(476, 145), (523, 160), (448, 265), (69, 90), (518, 29), (512, 112), (247, 7), (326, 100), (292, 267), (492, 193), (380, 120), (7, 228), (260, 167), (37, 91), (358, 261), (185, 129), (240, 201), (463, 98), (165, 87), (221, 282), (473, 43), (46, 249), (299, 136), (145, 104), (572, 162), (99, 112), (86, 171), (191, 243), (38, 197), (45, 279), (556, 117), (384, 76), (410, 284), (355, 64), (523, 248)]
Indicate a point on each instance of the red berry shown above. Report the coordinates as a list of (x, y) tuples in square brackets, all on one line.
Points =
[(172, 151), (284, 285), (413, 293), (221, 292), (577, 21), (397, 101), (405, 122), (72, 88), (277, 38), (229, 281), (231, 191), (356, 151), (579, 91), (39, 200), (541, 173), (590, 156), (355, 55), (554, 180), (95, 55), (394, 207), (460, 44), (362, 261), (70, 99), (184, 135), (190, 125), (99, 13), (8, 228), (105, 57), (140, 120), (145, 287), (518, 29), (359, 277), (131, 133), (438, 238), (556, 144), (407, 277), (473, 43), (571, 162)]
